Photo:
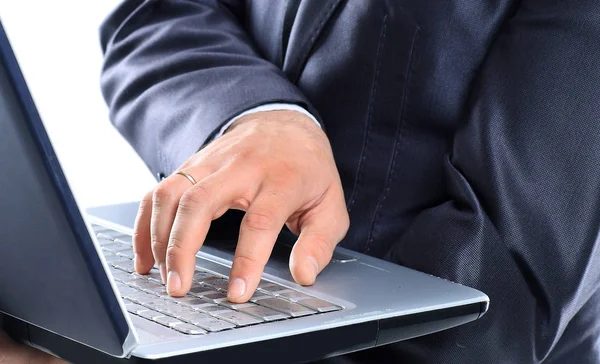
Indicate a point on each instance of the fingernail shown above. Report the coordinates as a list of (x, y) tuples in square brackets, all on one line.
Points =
[(163, 273), (312, 262), (173, 281), (237, 288)]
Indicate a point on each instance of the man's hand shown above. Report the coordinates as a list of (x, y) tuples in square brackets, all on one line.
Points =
[(278, 167), (13, 353)]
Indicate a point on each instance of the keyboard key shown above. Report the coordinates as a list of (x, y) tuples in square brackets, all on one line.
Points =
[(127, 253), (119, 275), (290, 308), (111, 234), (108, 254), (103, 241), (319, 305), (209, 308), (236, 306), (264, 283), (212, 277), (273, 289), (121, 249), (126, 266), (199, 290), (124, 239), (132, 280), (236, 317), (167, 321), (113, 259), (265, 313), (220, 284), (141, 298), (292, 295), (135, 296), (196, 303), (135, 308), (161, 292), (150, 315), (184, 300), (97, 228), (178, 310), (147, 286), (199, 276), (192, 316), (124, 290), (153, 275), (159, 306), (215, 297), (258, 295), (188, 329), (209, 323)]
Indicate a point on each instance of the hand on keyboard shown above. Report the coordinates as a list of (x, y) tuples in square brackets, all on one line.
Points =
[(278, 167), (13, 353)]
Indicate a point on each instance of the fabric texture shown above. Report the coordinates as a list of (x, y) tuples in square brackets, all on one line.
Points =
[(466, 134)]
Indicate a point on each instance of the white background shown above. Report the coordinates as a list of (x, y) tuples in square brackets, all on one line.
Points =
[(57, 46)]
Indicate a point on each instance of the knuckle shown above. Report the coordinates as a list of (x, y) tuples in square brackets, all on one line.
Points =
[(147, 199), (157, 243), (162, 194), (177, 248), (193, 199), (259, 220), (244, 155), (174, 250), (286, 169), (247, 262)]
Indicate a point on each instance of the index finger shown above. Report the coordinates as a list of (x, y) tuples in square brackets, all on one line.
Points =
[(258, 232)]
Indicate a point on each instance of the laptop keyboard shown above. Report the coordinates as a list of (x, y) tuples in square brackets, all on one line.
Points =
[(205, 308)]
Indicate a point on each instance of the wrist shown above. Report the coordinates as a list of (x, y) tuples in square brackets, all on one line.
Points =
[(276, 116)]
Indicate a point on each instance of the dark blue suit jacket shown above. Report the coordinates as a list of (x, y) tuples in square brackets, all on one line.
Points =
[(466, 133)]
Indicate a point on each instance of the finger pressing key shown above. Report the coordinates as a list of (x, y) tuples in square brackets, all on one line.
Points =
[(259, 230), (202, 203)]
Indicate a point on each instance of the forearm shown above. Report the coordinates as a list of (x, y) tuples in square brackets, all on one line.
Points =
[(176, 72)]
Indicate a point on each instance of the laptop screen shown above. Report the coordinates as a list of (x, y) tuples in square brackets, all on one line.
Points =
[(50, 273)]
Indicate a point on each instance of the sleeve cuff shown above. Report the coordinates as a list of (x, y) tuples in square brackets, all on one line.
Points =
[(267, 107)]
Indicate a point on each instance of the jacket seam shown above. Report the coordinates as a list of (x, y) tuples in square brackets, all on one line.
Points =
[(384, 195), (369, 121)]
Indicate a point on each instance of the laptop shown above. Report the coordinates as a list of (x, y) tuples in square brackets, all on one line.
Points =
[(67, 284)]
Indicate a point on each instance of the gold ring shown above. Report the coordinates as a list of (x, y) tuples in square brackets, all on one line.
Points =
[(188, 176)]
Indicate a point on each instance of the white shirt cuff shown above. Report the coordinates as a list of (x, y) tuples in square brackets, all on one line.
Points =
[(267, 107)]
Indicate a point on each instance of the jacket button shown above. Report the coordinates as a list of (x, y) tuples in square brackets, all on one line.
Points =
[(160, 176)]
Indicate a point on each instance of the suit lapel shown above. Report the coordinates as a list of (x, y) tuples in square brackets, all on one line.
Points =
[(311, 18)]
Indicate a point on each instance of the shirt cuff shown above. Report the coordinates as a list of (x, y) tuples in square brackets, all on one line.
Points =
[(267, 107)]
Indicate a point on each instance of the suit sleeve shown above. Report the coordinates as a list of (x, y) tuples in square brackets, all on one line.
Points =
[(522, 217), (176, 71)]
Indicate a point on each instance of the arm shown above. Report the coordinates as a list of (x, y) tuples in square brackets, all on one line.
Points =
[(523, 181), (176, 71)]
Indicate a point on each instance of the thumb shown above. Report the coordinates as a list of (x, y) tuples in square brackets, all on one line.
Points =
[(322, 229)]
